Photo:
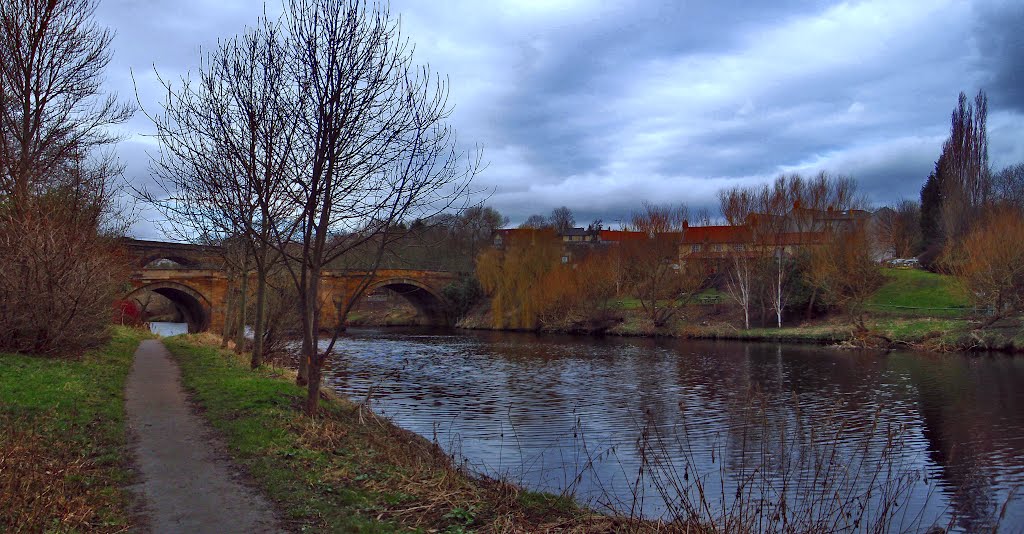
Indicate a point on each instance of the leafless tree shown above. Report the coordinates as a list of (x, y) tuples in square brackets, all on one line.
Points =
[(898, 229), (737, 204), (658, 218), (845, 271), (374, 144), (226, 160), (562, 219), (795, 213), (536, 222), (652, 267), (52, 58), (1008, 186), (963, 168), (60, 269)]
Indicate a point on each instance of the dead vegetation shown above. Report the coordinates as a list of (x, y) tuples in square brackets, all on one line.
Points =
[(44, 486)]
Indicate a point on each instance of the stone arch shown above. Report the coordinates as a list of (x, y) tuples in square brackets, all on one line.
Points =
[(428, 301), (194, 307)]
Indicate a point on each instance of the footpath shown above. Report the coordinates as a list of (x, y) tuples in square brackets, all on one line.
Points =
[(186, 485)]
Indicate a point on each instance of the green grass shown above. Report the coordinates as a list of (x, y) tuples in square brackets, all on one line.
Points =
[(917, 330), (913, 292), (63, 448), (345, 471)]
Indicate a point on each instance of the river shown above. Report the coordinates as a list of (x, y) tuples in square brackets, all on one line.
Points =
[(631, 424)]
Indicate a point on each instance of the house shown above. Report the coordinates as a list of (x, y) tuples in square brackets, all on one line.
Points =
[(706, 242)]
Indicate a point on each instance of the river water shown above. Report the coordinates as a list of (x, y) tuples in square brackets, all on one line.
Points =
[(641, 426)]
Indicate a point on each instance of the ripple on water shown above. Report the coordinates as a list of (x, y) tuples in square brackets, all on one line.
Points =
[(558, 413)]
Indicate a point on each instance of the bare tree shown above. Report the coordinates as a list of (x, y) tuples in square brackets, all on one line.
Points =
[(375, 149), (536, 222), (562, 219), (898, 229), (793, 213), (60, 270), (52, 58), (658, 218), (963, 168), (846, 273), (737, 204), (1008, 186), (652, 269), (991, 263), (226, 161)]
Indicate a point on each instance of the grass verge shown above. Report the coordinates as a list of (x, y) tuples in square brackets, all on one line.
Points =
[(915, 293), (63, 445), (348, 470)]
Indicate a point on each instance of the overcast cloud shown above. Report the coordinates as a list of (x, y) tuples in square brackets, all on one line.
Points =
[(599, 106)]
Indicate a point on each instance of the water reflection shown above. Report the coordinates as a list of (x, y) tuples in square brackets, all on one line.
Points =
[(565, 413), (166, 329)]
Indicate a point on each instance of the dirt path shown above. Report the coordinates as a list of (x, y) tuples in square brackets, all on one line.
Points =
[(186, 484)]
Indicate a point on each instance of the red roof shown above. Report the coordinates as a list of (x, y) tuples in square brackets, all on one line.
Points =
[(622, 235), (716, 234)]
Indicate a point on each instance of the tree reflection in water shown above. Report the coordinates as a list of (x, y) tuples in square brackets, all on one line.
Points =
[(562, 413)]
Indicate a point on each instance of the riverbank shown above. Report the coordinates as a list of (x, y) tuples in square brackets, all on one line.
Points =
[(349, 470), (63, 450), (932, 334), (913, 310)]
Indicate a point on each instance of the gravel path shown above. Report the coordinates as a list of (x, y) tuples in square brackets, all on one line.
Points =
[(187, 485)]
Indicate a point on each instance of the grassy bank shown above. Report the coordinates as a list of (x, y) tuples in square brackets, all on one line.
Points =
[(913, 309), (347, 470), (63, 445), (917, 293)]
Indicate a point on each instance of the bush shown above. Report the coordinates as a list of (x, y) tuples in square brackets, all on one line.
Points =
[(462, 294), (59, 277)]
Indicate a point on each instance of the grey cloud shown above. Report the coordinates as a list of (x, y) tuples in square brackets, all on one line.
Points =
[(598, 110), (1000, 36)]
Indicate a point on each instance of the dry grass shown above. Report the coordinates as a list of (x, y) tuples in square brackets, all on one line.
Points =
[(48, 487)]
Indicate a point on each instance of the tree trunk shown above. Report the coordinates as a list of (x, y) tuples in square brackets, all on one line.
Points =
[(310, 348), (810, 303), (242, 297), (258, 327), (313, 387), (302, 373), (226, 331), (778, 294)]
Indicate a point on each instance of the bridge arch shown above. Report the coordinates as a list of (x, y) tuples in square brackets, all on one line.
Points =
[(427, 300), (193, 306)]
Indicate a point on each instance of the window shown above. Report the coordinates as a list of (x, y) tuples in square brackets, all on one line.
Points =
[(718, 248), (565, 259), (738, 248), (694, 248)]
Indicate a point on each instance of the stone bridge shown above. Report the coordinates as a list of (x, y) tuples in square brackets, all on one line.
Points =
[(197, 284)]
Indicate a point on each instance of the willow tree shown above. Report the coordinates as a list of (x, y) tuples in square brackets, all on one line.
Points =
[(514, 276), (374, 149)]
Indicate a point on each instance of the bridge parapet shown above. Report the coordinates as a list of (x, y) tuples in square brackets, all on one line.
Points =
[(144, 252)]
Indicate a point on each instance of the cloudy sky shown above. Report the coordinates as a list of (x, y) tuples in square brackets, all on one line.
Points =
[(599, 105)]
